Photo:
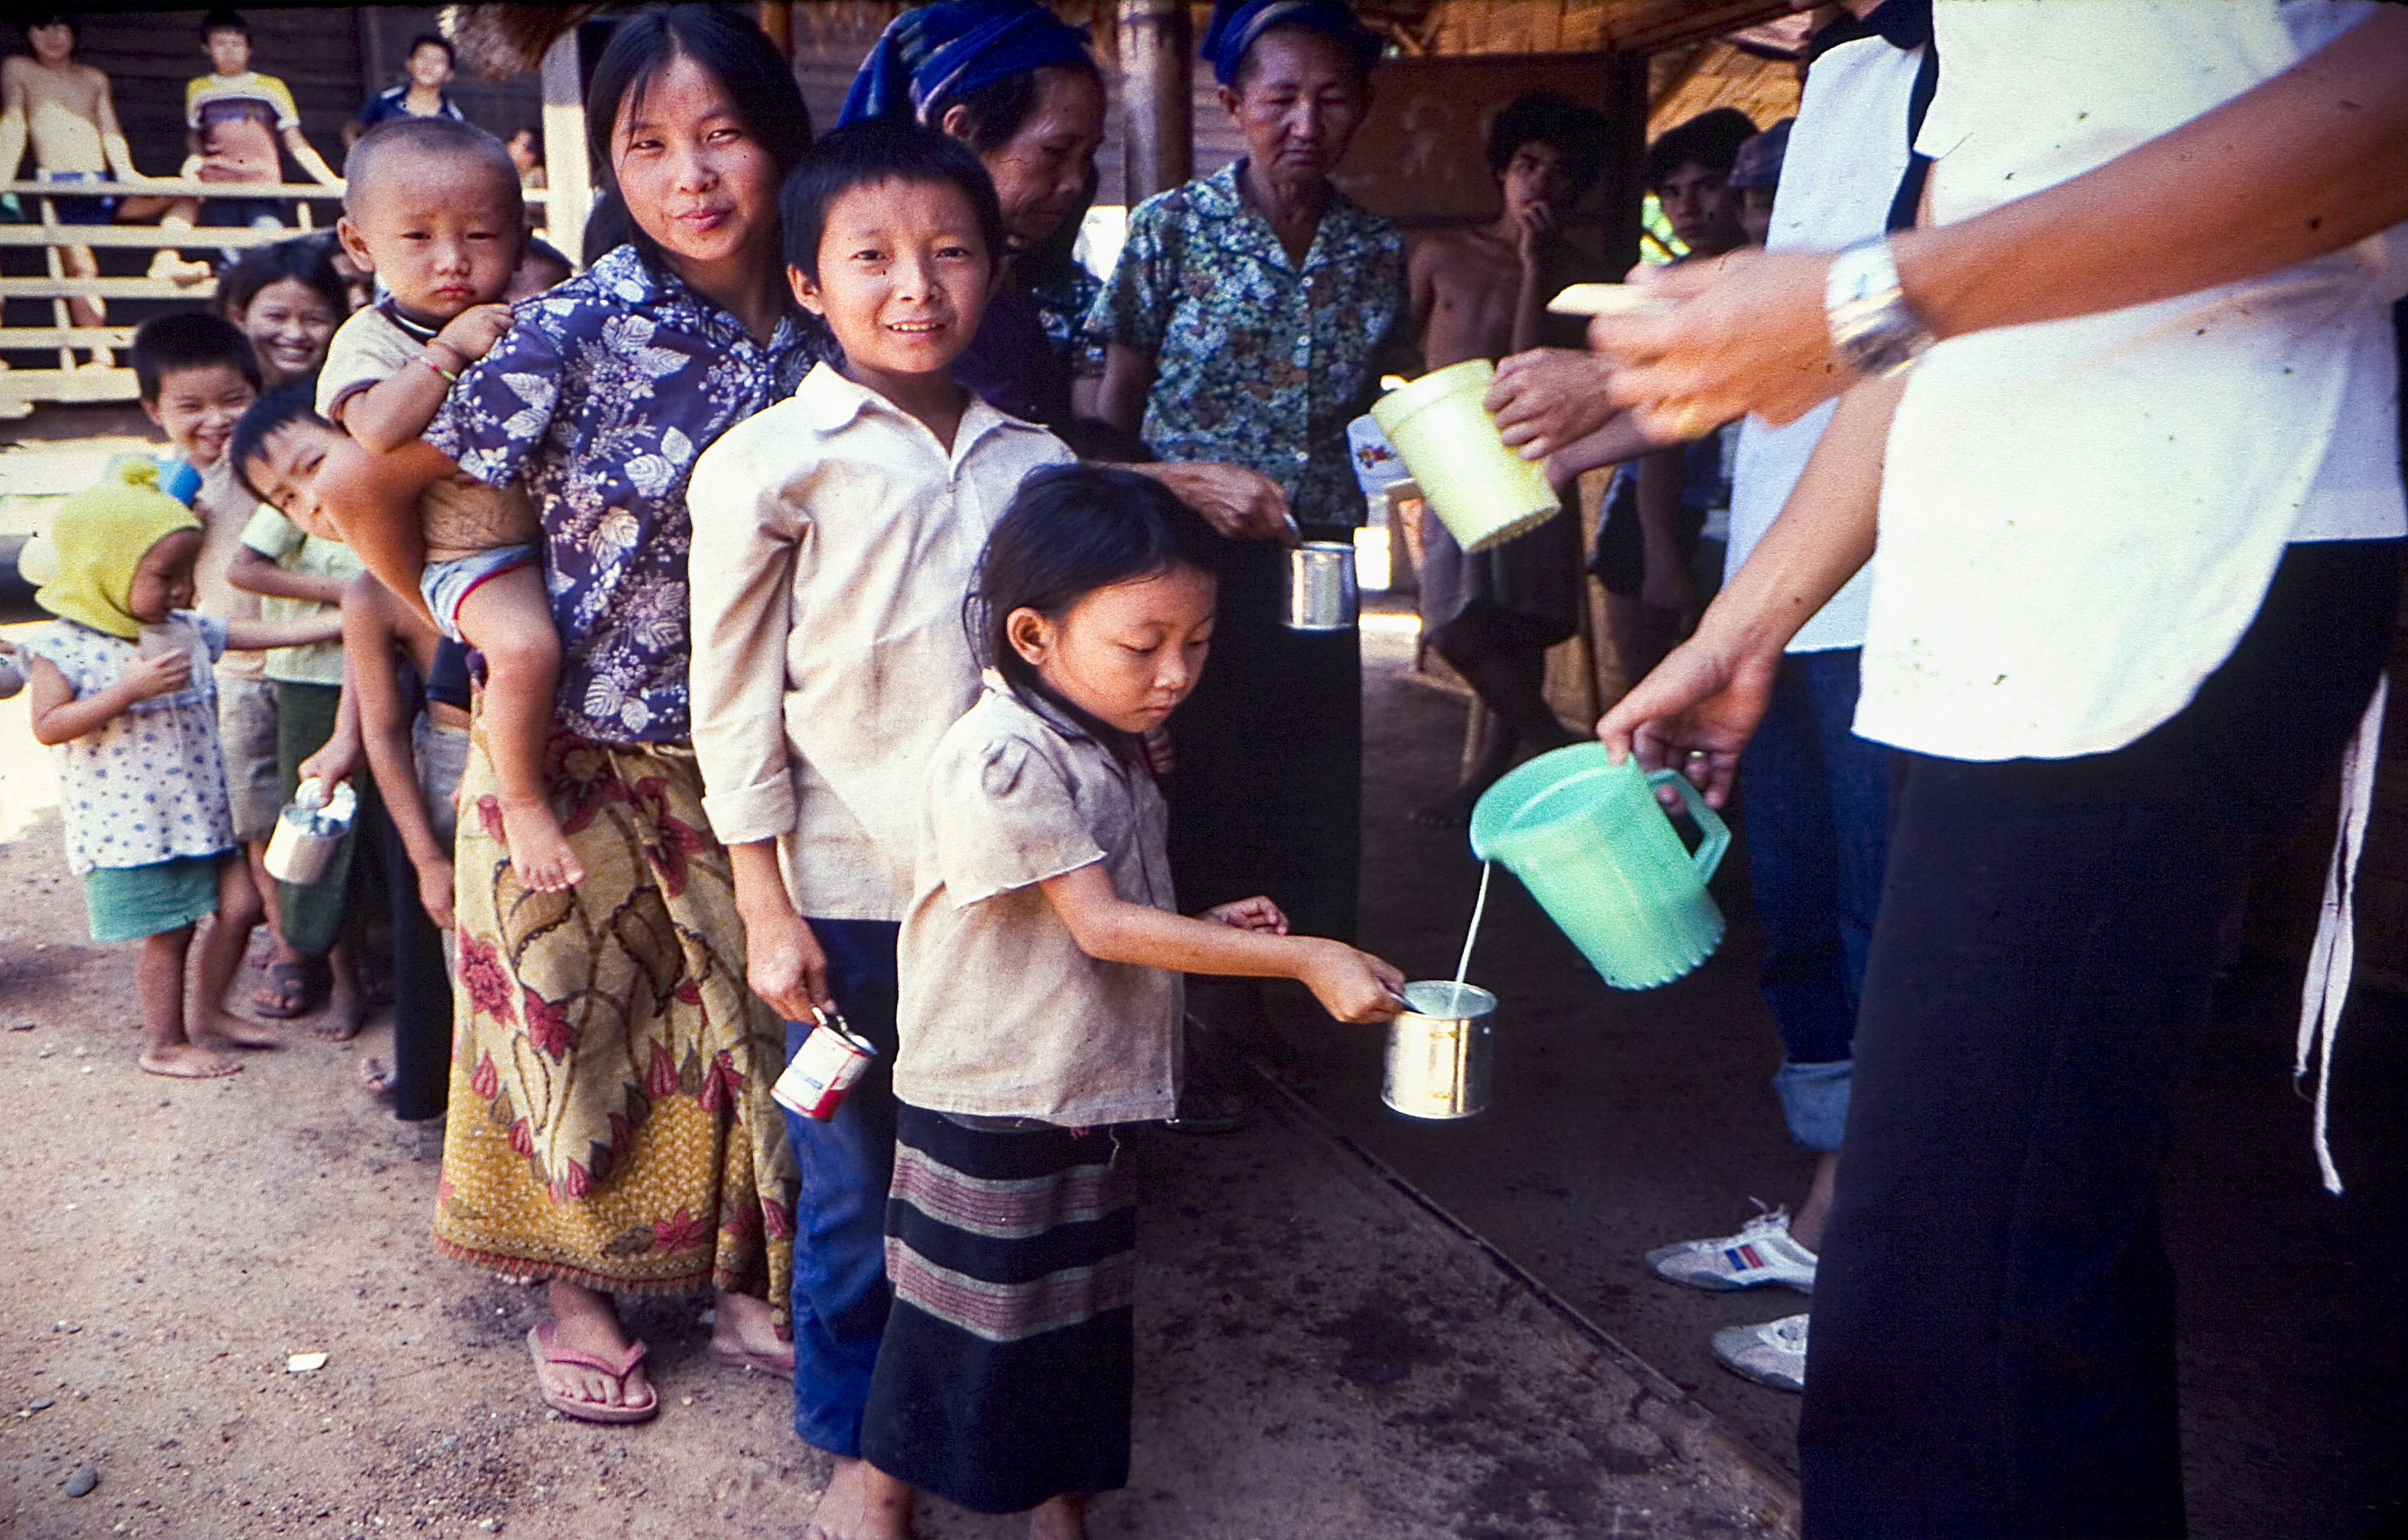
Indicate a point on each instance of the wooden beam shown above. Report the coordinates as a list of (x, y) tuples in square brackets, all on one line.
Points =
[(1624, 186), (566, 164), (104, 289), (1640, 26), (1156, 44)]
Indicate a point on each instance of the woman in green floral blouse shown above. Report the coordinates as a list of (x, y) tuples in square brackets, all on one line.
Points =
[(1248, 320)]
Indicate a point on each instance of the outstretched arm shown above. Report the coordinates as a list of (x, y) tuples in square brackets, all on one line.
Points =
[(373, 499), (308, 159), (12, 119), (1352, 986), (1697, 708), (2305, 164)]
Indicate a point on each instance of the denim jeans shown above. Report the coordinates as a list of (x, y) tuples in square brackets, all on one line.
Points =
[(846, 1163), (1817, 826), (1994, 1314)]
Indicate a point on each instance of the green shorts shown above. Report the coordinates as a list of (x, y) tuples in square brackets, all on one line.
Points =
[(128, 902)]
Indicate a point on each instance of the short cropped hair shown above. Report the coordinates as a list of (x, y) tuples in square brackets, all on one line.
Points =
[(188, 339), (223, 20), (294, 401), (1576, 133), (40, 18), (1711, 139), (433, 39), (866, 153), (459, 144)]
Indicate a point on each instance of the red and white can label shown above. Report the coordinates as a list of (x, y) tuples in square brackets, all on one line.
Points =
[(822, 1071)]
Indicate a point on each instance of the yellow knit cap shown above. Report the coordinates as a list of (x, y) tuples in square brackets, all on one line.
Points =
[(100, 536)]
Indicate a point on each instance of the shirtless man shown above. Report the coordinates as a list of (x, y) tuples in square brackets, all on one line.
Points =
[(1481, 293), (63, 110)]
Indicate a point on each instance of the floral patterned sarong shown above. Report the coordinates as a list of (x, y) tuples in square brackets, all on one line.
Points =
[(611, 1121)]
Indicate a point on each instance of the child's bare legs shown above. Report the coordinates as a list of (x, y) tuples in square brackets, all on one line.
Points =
[(1063, 1517), (509, 618), (1806, 1225), (159, 984), (344, 1007), (286, 992), (861, 1503), (1507, 676), (78, 262), (222, 948)]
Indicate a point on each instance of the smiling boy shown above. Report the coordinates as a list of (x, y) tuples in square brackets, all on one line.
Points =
[(835, 534)]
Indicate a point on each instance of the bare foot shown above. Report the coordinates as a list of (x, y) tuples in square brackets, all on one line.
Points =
[(375, 1076), (187, 1062), (1063, 1517), (539, 852), (588, 1324), (344, 1011), (744, 1333), (226, 1027), (861, 1503)]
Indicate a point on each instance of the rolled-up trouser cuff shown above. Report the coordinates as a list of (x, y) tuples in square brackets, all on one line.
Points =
[(1815, 1101)]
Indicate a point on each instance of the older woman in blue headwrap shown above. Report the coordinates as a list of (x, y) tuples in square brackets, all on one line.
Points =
[(1016, 85), (1249, 319)]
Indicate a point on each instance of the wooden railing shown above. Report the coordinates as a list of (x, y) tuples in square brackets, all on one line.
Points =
[(20, 388)]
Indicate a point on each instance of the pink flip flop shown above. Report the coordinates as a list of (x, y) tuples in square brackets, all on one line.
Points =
[(544, 1347)]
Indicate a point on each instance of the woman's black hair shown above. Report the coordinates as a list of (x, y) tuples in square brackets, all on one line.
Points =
[(307, 260), (294, 401), (730, 49), (994, 112), (864, 154), (1069, 531)]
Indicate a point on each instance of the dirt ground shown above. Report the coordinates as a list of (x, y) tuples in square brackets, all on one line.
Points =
[(1318, 1356)]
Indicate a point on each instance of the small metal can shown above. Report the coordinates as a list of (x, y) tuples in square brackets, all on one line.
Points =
[(308, 832), (1320, 594), (831, 1059), (1442, 1052)]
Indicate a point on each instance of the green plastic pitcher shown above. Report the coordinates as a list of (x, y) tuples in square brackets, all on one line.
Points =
[(1481, 492), (1597, 851)]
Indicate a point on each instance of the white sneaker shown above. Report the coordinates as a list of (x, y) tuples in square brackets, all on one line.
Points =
[(1772, 1354), (1761, 1253)]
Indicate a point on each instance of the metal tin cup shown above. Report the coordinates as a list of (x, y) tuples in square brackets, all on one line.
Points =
[(1320, 594), (1442, 1052), (831, 1059), (308, 832)]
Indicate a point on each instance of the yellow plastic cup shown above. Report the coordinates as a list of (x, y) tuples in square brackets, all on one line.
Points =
[(1481, 491)]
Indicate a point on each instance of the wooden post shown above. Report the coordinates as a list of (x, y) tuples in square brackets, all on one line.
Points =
[(568, 174), (1626, 150), (1158, 45), (777, 19)]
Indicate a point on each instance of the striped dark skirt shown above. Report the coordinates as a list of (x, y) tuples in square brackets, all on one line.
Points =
[(1003, 1378)]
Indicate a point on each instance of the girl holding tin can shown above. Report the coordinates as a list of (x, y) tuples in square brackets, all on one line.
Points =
[(1041, 868)]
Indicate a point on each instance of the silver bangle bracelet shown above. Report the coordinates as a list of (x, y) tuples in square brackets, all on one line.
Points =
[(1873, 329)]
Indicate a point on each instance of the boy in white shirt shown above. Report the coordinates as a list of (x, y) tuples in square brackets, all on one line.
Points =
[(835, 537)]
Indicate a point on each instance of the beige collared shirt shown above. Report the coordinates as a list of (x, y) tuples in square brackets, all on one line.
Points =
[(832, 530), (1001, 1013)]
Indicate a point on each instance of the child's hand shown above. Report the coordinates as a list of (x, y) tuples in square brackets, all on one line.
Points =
[(473, 332), (1249, 914), (435, 880), (145, 678), (1352, 986), (333, 763), (784, 964)]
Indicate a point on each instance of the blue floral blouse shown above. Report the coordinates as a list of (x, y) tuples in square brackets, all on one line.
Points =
[(1256, 362), (597, 402)]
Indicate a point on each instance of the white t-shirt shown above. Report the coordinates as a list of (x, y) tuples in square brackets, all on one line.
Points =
[(1847, 154), (2080, 518)]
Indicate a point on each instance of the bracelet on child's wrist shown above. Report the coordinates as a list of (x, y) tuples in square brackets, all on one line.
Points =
[(448, 377)]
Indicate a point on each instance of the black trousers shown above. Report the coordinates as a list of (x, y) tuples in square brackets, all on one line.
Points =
[(1266, 796), (1992, 1350)]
